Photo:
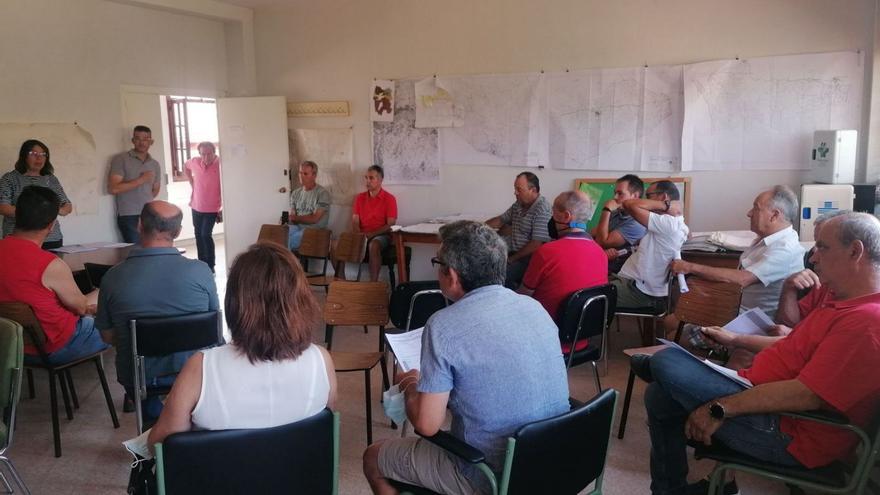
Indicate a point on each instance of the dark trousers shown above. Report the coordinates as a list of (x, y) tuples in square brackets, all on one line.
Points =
[(128, 227), (203, 223)]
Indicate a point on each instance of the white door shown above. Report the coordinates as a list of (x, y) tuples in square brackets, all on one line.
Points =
[(147, 109), (253, 144)]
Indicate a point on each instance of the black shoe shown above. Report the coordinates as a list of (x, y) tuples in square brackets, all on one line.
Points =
[(641, 366), (127, 404), (702, 488)]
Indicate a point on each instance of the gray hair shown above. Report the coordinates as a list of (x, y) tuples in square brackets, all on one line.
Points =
[(154, 224), (785, 200), (310, 164), (864, 228), (578, 204), (475, 251)]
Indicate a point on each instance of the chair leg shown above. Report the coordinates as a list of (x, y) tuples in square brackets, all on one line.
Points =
[(328, 336), (678, 331), (626, 398), (369, 408), (384, 364), (596, 377), (391, 277), (30, 379), (15, 476), (366, 329), (65, 395), (53, 405), (69, 376), (99, 364)]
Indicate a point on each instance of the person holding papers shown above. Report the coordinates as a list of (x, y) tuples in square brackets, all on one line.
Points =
[(822, 364), (492, 357)]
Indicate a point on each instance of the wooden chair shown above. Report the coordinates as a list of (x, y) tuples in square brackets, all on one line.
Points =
[(360, 361), (350, 248), (34, 335), (315, 245), (273, 233)]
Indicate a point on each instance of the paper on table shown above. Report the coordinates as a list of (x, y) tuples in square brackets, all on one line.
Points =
[(728, 373), (752, 322), (407, 348), (74, 249)]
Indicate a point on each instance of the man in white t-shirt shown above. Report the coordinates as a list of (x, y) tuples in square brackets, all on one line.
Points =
[(642, 281)]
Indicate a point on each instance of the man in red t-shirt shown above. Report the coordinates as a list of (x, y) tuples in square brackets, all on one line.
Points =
[(822, 364), (373, 213)]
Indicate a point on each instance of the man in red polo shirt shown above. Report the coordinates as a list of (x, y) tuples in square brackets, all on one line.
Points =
[(373, 213)]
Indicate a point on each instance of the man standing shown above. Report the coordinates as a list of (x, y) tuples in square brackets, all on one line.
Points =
[(203, 173), (616, 229), (45, 283), (309, 205), (373, 213), (168, 284), (523, 226), (135, 178), (823, 364), (493, 358)]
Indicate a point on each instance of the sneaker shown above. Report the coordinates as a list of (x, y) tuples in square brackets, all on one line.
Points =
[(702, 488)]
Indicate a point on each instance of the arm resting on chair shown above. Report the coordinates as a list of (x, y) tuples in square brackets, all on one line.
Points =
[(446, 441)]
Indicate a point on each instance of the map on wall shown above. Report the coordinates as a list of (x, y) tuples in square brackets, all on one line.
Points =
[(408, 155), (72, 153), (331, 150), (761, 113), (435, 105)]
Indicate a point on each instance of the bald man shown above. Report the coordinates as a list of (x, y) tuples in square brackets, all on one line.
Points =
[(167, 284)]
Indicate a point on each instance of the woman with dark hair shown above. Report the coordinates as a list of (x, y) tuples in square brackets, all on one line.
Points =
[(33, 168), (271, 374)]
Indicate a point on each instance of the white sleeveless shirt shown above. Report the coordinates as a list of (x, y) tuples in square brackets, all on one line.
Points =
[(238, 394)]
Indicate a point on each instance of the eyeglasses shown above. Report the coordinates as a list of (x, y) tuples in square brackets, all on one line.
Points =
[(437, 261), (41, 154)]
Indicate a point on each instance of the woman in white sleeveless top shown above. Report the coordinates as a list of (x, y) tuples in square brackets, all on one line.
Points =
[(271, 374)]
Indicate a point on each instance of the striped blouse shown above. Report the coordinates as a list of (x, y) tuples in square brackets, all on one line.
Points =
[(11, 185)]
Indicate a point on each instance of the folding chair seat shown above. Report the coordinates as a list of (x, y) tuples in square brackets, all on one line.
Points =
[(585, 314)]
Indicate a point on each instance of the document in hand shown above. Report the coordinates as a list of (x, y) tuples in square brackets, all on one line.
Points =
[(752, 322), (726, 372), (407, 348)]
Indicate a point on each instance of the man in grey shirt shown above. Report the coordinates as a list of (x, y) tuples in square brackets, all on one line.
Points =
[(135, 179), (493, 358), (523, 226), (309, 205)]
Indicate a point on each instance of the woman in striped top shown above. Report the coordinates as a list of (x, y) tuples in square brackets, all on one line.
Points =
[(32, 168)]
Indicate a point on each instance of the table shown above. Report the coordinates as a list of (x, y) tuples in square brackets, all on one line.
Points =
[(400, 239), (103, 256), (721, 259)]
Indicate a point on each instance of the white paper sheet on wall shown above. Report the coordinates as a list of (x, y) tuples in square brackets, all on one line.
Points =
[(331, 150)]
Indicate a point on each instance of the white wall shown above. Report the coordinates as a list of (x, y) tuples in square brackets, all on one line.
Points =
[(64, 61), (331, 49)]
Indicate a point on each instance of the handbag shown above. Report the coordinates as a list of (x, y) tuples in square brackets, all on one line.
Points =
[(142, 480)]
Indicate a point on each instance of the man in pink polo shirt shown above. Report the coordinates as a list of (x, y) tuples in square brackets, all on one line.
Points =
[(373, 213), (203, 173)]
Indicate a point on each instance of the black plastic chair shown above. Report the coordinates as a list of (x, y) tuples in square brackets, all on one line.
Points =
[(412, 303), (301, 457), (586, 314), (156, 337), (96, 272), (560, 455)]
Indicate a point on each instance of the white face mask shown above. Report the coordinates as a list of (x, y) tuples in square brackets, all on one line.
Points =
[(394, 404), (139, 446)]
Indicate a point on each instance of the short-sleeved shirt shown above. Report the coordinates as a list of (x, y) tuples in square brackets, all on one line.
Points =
[(833, 352), (628, 227), (152, 282), (649, 265), (771, 259), (559, 268), (206, 185), (130, 167), (308, 202), (497, 354), (527, 223), (374, 212), (11, 185), (814, 299)]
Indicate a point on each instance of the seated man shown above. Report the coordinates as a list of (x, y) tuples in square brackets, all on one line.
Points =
[(373, 213), (775, 255), (45, 283), (617, 231), (492, 357), (642, 282), (573, 262), (154, 280), (523, 226), (820, 365), (309, 205)]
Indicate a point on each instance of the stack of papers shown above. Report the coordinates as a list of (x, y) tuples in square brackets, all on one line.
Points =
[(726, 372), (752, 322), (407, 348)]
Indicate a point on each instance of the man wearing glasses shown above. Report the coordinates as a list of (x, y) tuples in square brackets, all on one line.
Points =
[(135, 179)]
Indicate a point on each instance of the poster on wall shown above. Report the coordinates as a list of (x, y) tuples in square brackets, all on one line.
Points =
[(331, 150), (382, 100), (436, 105)]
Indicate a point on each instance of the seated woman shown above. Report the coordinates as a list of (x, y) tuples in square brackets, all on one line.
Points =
[(271, 374)]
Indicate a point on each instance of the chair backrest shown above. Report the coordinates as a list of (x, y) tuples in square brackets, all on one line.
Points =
[(300, 457), (169, 334), (350, 247), (315, 243), (412, 303), (587, 313), (708, 303), (566, 453), (11, 364), (356, 303), (22, 314), (273, 233), (96, 272)]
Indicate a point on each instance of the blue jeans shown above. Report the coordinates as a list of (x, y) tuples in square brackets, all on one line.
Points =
[(203, 224), (682, 384), (86, 340), (128, 227), (151, 407), (294, 235)]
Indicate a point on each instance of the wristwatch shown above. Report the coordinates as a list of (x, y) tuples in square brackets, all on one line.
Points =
[(716, 410)]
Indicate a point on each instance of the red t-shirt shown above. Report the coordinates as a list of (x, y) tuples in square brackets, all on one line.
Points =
[(374, 213), (22, 264), (833, 351), (814, 299)]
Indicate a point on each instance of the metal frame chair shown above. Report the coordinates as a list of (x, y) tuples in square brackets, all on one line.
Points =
[(315, 245), (162, 336), (350, 248), (11, 365), (578, 320)]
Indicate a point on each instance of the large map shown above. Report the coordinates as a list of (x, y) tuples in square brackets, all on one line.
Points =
[(409, 155), (331, 150), (761, 113)]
